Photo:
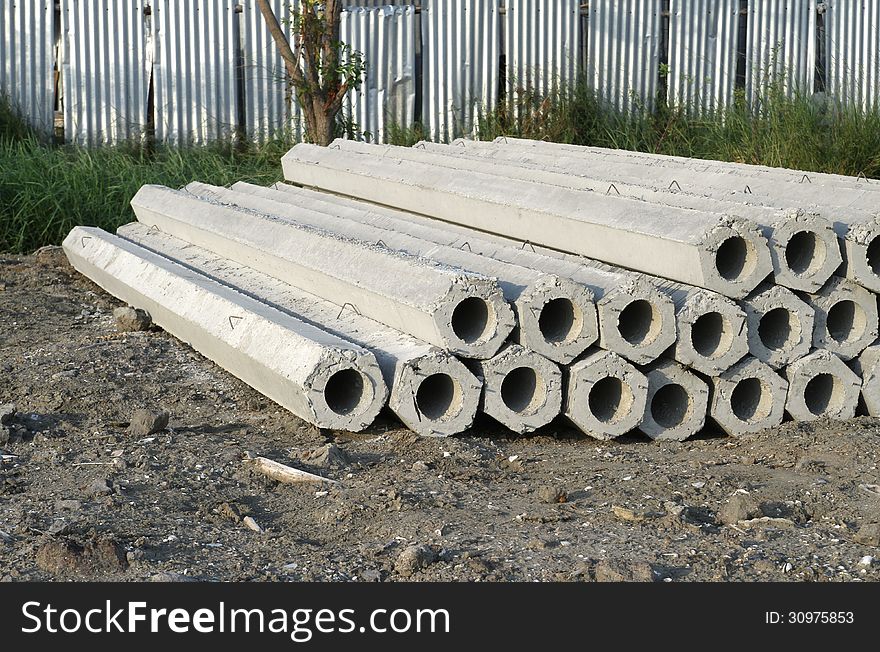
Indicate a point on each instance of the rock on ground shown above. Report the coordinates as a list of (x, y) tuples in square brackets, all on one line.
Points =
[(145, 422), (132, 319), (740, 507), (68, 557), (414, 559)]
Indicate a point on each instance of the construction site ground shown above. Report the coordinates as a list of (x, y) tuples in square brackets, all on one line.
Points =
[(82, 498)]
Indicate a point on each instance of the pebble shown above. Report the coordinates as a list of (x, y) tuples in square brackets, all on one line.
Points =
[(327, 455), (413, 559), (99, 488), (371, 575), (867, 560), (252, 524), (170, 577), (551, 494), (740, 507), (144, 422), (131, 319), (7, 412), (868, 535)]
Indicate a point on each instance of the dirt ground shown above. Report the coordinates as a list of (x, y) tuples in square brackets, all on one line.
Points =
[(82, 498)]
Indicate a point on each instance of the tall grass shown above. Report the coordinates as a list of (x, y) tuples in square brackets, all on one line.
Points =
[(47, 190), (773, 129)]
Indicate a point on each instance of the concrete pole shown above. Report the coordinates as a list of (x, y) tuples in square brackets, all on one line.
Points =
[(780, 325), (431, 392), (447, 307), (321, 378), (748, 397), (850, 206), (634, 314), (820, 385), (521, 389), (606, 395), (846, 318), (536, 296), (677, 401), (867, 366), (634, 318), (803, 246), (725, 254), (698, 164)]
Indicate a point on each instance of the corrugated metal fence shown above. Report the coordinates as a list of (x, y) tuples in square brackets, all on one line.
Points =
[(192, 71), (27, 38)]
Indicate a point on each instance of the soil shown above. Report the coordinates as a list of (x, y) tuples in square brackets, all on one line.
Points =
[(84, 496)]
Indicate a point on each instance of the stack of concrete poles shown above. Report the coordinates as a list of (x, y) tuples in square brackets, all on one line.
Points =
[(519, 279)]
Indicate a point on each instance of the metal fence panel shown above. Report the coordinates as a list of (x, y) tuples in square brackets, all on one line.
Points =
[(780, 45), (194, 70), (542, 45), (460, 63), (852, 37), (703, 36), (386, 38), (623, 59), (105, 70), (27, 37), (269, 108)]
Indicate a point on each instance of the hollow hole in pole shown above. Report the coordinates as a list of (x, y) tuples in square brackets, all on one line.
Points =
[(523, 390), (610, 399), (439, 397), (344, 391), (670, 405)]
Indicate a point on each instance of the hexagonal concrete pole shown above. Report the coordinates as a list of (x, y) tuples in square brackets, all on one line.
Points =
[(321, 378), (867, 366), (728, 255), (748, 397), (780, 325), (458, 310), (521, 389), (820, 385), (849, 205), (803, 245), (533, 294), (677, 401), (635, 320), (846, 317), (431, 391), (606, 395), (634, 317)]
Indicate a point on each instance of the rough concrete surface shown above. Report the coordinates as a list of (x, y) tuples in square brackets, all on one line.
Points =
[(867, 366), (803, 246), (748, 397), (780, 326), (321, 378), (677, 401), (448, 307), (634, 318), (726, 254), (846, 317), (820, 385), (529, 291), (521, 389), (633, 508), (606, 395), (431, 391), (851, 206)]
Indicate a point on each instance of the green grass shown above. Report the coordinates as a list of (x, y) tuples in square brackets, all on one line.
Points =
[(776, 130), (47, 190)]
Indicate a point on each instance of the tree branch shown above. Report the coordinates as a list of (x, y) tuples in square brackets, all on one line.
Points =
[(290, 60)]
